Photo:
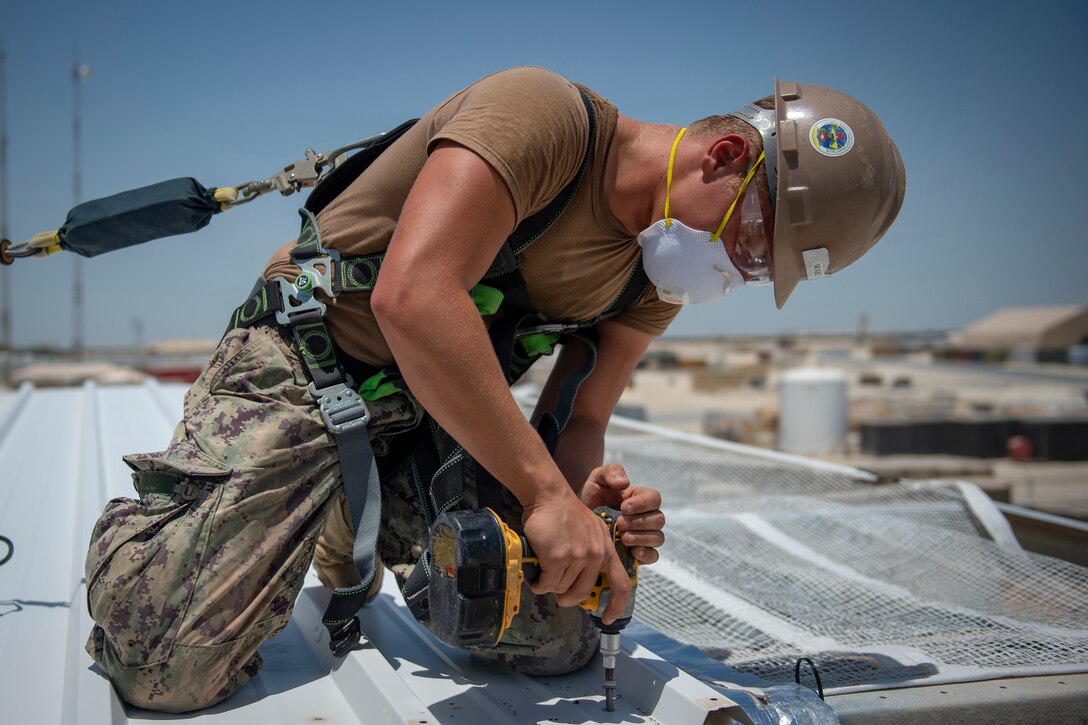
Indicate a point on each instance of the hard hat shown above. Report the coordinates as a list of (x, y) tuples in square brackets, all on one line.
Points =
[(837, 180)]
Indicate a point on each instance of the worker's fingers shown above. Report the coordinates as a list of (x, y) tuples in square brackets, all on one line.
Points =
[(580, 589), (644, 554), (642, 533), (551, 580), (611, 476), (640, 499), (585, 562), (649, 521), (620, 586), (654, 539), (561, 579)]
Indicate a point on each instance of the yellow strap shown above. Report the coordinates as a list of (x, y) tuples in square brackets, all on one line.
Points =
[(668, 175), (225, 195), (729, 212), (44, 240)]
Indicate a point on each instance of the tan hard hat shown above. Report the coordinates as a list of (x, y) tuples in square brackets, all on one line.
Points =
[(840, 180)]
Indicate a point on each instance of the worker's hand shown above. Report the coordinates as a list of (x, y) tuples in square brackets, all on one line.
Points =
[(573, 547), (641, 522)]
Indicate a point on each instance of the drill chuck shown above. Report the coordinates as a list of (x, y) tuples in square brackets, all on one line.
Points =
[(610, 647)]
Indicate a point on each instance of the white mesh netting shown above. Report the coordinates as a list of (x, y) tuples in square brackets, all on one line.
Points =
[(767, 561)]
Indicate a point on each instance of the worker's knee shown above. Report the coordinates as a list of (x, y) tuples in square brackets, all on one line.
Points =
[(546, 639), (189, 678)]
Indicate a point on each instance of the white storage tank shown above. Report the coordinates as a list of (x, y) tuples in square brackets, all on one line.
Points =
[(813, 414)]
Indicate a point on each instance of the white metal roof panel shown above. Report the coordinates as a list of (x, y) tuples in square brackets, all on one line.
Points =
[(60, 455)]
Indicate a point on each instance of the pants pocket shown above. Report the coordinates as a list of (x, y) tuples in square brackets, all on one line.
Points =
[(195, 677), (145, 553)]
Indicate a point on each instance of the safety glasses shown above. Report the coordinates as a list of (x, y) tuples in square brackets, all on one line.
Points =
[(752, 251)]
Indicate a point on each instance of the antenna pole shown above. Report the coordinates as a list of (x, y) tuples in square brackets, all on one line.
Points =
[(5, 273), (80, 72)]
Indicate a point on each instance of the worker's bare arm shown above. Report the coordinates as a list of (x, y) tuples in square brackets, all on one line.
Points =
[(580, 451), (453, 223), (581, 447), (455, 219)]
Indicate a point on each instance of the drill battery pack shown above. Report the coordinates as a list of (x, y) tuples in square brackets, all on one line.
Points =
[(477, 572)]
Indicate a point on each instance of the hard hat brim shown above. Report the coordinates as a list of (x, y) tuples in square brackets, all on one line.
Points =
[(787, 269)]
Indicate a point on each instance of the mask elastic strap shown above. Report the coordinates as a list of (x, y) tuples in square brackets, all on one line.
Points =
[(729, 212), (668, 175)]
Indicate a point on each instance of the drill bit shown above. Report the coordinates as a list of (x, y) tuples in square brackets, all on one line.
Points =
[(610, 647)]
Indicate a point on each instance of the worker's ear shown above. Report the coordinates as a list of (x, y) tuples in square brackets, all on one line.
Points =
[(725, 156)]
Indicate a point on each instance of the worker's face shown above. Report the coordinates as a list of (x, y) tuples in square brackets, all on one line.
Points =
[(745, 231), (682, 256)]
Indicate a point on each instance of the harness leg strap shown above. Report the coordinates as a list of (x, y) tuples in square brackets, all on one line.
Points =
[(363, 491), (346, 416)]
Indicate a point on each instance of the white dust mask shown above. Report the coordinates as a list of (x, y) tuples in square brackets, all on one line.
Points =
[(685, 264)]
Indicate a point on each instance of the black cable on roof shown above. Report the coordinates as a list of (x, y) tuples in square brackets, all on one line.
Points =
[(11, 550)]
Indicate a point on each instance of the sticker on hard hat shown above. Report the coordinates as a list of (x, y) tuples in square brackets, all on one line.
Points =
[(816, 262), (831, 137)]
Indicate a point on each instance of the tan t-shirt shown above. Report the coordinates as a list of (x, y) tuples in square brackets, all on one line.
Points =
[(531, 126)]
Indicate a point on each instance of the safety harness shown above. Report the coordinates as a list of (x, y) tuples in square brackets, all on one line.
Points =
[(439, 467)]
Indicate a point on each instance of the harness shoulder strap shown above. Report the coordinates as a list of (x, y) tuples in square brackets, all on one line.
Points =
[(534, 226)]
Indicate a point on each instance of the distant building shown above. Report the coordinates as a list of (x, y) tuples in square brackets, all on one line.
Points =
[(1044, 333), (48, 374)]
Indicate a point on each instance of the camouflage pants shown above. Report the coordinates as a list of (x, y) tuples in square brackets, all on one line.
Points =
[(185, 583)]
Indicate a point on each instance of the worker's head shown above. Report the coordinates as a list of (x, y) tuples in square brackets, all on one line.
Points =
[(811, 181)]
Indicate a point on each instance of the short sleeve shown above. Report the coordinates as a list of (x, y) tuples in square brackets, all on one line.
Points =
[(649, 314), (529, 124)]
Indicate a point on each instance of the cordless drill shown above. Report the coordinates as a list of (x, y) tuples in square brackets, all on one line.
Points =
[(478, 566)]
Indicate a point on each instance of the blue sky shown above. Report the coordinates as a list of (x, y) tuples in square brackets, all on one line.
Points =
[(981, 98)]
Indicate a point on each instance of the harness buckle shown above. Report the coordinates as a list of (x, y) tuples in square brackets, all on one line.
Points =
[(298, 296), (551, 328), (300, 174), (345, 638), (341, 407)]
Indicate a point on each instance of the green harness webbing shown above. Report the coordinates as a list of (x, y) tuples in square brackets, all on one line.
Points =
[(445, 463)]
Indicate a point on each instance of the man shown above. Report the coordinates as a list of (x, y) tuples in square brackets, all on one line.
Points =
[(189, 580)]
